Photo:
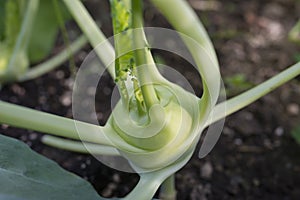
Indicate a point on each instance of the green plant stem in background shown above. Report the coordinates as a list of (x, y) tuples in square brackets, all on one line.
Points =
[(31, 41), (167, 190), (64, 31), (93, 34), (54, 62), (12, 18), (236, 103), (24, 35), (294, 34)]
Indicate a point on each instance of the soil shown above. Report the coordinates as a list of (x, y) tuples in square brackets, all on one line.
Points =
[(256, 156)]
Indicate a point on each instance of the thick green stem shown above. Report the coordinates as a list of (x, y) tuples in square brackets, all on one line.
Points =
[(93, 33), (146, 83), (168, 191), (79, 147), (146, 187), (236, 103), (31, 119), (150, 182), (187, 23), (185, 20), (54, 62)]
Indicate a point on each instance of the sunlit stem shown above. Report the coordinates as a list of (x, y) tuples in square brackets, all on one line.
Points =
[(31, 119), (185, 20), (148, 91), (236, 103), (79, 146), (54, 62)]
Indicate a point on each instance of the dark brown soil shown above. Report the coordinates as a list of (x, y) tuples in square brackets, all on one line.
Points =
[(255, 158)]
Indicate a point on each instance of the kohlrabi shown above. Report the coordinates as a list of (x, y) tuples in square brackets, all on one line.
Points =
[(156, 124)]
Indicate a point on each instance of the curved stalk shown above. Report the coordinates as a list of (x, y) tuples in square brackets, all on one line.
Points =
[(236, 103), (190, 28), (185, 20), (31, 119), (55, 61), (93, 33), (79, 147)]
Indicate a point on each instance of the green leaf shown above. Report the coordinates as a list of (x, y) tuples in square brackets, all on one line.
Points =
[(45, 29), (26, 175), (296, 134)]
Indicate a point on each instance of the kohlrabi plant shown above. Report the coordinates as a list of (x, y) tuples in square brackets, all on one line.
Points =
[(156, 124), (28, 30), (294, 34)]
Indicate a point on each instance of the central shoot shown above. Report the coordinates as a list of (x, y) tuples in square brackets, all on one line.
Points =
[(155, 119)]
